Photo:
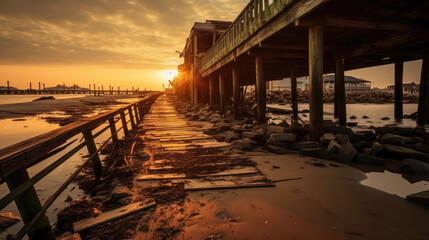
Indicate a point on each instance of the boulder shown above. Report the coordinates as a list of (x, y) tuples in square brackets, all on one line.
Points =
[(210, 131), (422, 147), (222, 127), (415, 167), (342, 138), (338, 130), (333, 147), (7, 219), (231, 136), (251, 135), (219, 138), (194, 117), (326, 138), (421, 198), (284, 137), (401, 152), (300, 145), (244, 144), (390, 138), (362, 144), (352, 124), (376, 148), (276, 129), (238, 129), (368, 135), (120, 191), (142, 155), (347, 152), (278, 149), (356, 137), (367, 159)]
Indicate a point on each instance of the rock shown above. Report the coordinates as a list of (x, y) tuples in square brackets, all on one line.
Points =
[(400, 152), (300, 145), (244, 144), (390, 138), (352, 124), (278, 149), (418, 139), (251, 135), (356, 137), (210, 131), (125, 171), (422, 147), (421, 198), (338, 130), (125, 201), (365, 117), (415, 167), (333, 147), (231, 136), (353, 117), (320, 153), (7, 219), (328, 123), (44, 98), (376, 148), (142, 155), (366, 151), (120, 191), (68, 199), (259, 131), (194, 117), (284, 137), (219, 138), (342, 138), (347, 152), (362, 145), (368, 135), (385, 118), (326, 138), (215, 119), (367, 159), (222, 127)]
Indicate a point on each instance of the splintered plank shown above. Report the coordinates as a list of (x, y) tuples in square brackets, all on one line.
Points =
[(192, 185), (235, 171), (155, 168), (181, 147), (111, 215), (148, 177), (183, 139)]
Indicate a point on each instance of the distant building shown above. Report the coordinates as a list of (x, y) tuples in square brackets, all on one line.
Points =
[(351, 83), (408, 88), (62, 87)]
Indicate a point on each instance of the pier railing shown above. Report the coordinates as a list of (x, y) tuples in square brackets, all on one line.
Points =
[(16, 159), (249, 21)]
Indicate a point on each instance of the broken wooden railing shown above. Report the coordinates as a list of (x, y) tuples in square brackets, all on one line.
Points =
[(16, 159)]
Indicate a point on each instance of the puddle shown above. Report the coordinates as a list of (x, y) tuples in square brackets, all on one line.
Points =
[(394, 183)]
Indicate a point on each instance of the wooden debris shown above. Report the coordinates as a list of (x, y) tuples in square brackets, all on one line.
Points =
[(167, 176), (111, 215), (198, 184), (75, 236)]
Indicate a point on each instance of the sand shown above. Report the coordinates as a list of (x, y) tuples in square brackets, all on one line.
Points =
[(32, 108)]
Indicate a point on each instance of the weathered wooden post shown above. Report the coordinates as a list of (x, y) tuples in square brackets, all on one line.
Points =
[(92, 149), (423, 108), (102, 89), (89, 89), (119, 90), (137, 114), (95, 91), (236, 91), (133, 90), (124, 124), (222, 92), (211, 92), (29, 205), (8, 87), (133, 124), (30, 88), (64, 88), (44, 89), (113, 131), (40, 90), (294, 89), (399, 71), (261, 102), (340, 91), (74, 88), (315, 37)]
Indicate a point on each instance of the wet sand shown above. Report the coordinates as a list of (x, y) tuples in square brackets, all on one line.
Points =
[(37, 107)]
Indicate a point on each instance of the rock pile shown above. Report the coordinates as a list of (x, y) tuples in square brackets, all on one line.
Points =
[(284, 96), (342, 144)]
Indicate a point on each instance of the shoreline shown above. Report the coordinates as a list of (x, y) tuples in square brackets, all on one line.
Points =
[(16, 110)]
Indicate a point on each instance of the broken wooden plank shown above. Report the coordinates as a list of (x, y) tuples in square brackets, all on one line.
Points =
[(222, 184), (158, 168), (147, 177), (75, 236), (111, 215), (234, 171)]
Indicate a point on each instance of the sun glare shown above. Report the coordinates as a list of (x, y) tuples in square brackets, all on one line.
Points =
[(170, 74)]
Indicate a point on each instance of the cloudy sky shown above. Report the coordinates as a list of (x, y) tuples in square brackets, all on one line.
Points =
[(114, 42)]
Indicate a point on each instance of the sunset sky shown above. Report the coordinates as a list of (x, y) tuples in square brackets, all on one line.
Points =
[(119, 43)]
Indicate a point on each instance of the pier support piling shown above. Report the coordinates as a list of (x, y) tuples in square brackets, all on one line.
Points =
[(92, 149), (294, 89), (222, 93), (211, 92), (124, 124), (133, 124), (399, 70), (423, 108), (315, 37), (340, 92), (260, 90), (236, 91)]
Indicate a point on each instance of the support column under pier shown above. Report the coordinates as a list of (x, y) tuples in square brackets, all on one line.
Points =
[(261, 100), (423, 108), (294, 89), (315, 37), (222, 100), (399, 70), (340, 92), (211, 92), (236, 91)]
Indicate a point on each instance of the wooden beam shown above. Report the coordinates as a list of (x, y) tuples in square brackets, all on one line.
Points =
[(315, 37), (260, 90), (340, 91), (361, 24), (211, 92), (294, 93), (222, 92), (236, 91), (399, 70)]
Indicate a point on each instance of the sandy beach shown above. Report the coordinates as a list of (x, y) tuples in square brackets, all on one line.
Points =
[(36, 107)]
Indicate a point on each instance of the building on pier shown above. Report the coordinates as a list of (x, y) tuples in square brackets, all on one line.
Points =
[(408, 88)]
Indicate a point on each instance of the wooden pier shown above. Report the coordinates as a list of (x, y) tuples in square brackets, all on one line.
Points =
[(272, 40)]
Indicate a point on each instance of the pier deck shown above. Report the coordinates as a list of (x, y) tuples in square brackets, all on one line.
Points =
[(327, 202)]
